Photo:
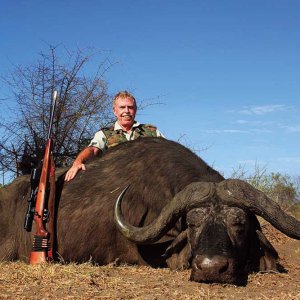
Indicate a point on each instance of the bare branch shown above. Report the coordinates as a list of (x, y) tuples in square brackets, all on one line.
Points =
[(83, 107)]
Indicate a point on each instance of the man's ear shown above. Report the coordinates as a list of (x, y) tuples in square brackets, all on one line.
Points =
[(114, 110)]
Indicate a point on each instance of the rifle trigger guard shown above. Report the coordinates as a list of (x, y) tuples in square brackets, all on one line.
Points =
[(46, 215)]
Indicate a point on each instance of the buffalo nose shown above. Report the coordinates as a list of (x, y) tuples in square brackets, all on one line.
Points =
[(216, 263)]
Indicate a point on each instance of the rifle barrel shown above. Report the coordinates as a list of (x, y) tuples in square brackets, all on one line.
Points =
[(54, 96)]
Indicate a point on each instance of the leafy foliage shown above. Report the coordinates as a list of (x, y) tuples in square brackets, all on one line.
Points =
[(281, 188)]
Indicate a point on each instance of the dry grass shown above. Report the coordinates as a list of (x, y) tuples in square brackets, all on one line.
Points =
[(55, 281)]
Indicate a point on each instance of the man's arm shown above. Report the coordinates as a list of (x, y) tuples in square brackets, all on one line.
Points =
[(78, 163)]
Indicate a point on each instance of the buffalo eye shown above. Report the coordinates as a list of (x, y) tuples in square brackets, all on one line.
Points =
[(238, 224), (236, 221), (197, 216), (239, 228)]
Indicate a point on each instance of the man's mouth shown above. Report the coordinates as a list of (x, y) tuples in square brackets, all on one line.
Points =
[(127, 117)]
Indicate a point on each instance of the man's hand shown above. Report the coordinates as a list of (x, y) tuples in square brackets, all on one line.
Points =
[(74, 170), (78, 164)]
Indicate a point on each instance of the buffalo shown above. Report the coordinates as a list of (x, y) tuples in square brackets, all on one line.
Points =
[(153, 202)]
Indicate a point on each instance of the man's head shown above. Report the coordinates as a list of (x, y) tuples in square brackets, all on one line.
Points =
[(124, 108)]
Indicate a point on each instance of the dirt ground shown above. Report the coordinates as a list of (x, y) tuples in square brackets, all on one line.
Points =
[(21, 281)]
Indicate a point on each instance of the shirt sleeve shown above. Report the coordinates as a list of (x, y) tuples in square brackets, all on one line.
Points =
[(99, 141), (159, 134)]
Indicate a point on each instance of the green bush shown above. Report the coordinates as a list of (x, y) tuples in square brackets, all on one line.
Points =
[(281, 188)]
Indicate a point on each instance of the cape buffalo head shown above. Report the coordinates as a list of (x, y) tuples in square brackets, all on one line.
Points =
[(222, 240)]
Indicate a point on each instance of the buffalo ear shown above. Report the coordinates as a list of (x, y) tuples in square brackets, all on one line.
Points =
[(178, 254), (180, 260), (262, 255), (268, 262), (269, 259)]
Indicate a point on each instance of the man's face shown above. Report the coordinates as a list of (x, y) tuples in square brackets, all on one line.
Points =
[(125, 110)]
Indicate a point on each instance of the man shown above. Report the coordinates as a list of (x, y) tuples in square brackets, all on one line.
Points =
[(124, 129)]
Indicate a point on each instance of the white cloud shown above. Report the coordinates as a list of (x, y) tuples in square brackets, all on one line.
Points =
[(289, 159), (295, 128), (261, 130), (233, 131), (262, 109), (253, 123), (226, 131), (241, 122)]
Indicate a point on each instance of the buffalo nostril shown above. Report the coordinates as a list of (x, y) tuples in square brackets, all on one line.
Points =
[(224, 268), (216, 263)]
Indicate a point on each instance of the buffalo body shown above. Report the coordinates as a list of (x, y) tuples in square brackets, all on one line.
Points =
[(218, 236)]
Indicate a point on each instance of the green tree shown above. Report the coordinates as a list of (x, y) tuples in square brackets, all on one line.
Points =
[(281, 188)]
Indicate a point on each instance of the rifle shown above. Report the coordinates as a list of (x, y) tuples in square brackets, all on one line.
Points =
[(38, 206)]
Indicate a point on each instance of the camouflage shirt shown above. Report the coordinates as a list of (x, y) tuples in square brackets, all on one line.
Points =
[(114, 135)]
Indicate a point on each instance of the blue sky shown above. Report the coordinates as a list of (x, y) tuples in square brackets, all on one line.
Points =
[(226, 72)]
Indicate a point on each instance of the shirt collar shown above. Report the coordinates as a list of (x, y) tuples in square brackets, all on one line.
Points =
[(118, 126)]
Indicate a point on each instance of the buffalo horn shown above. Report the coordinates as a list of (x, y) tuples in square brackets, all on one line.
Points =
[(234, 192), (190, 197)]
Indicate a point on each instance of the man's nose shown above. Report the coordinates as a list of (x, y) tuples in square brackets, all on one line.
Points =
[(126, 109)]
